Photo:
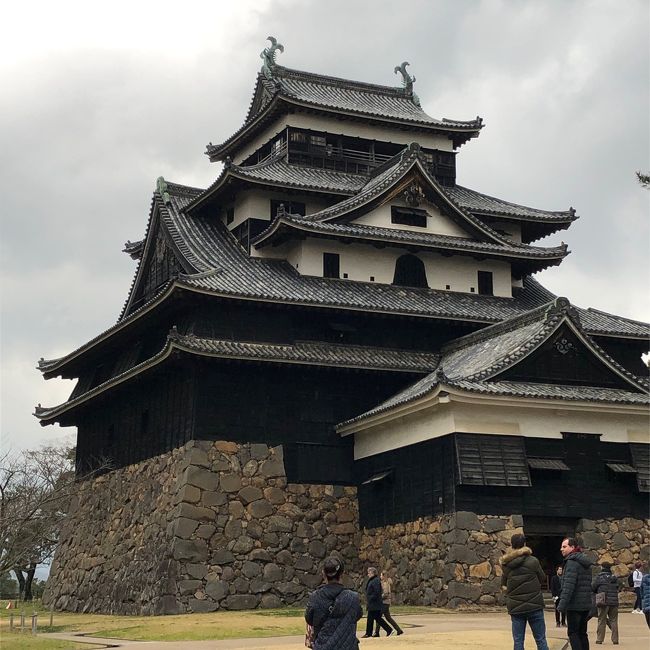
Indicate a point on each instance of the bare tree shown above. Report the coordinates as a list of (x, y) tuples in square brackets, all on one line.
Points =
[(35, 489), (644, 179)]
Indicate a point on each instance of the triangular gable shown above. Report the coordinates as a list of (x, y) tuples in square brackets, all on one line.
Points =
[(160, 261), (403, 178), (565, 358)]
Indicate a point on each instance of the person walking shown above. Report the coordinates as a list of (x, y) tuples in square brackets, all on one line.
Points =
[(575, 597), (386, 599), (333, 611), (523, 578), (645, 597), (556, 588), (605, 586), (637, 577), (374, 603)]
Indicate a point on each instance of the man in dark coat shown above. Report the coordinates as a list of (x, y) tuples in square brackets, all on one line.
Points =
[(523, 578), (374, 604), (607, 584), (333, 611), (575, 598), (556, 590)]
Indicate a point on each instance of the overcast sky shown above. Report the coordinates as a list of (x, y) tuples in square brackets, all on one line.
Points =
[(99, 99)]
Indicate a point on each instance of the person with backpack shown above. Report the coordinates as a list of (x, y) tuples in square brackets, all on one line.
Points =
[(636, 578), (605, 586), (333, 611)]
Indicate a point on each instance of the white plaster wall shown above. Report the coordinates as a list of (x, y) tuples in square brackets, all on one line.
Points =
[(544, 421), (363, 261), (437, 222), (256, 204), (339, 127)]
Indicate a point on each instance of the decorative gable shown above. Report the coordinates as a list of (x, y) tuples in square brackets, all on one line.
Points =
[(564, 359)]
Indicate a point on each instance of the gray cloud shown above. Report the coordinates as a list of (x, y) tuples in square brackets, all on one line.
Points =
[(88, 124)]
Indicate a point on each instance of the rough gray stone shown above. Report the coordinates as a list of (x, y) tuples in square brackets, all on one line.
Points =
[(591, 539), (619, 541), (271, 468), (260, 509), (249, 493), (273, 573), (189, 586), (467, 520), (201, 477), (278, 523), (270, 601), (494, 525), (464, 554), (259, 451), (197, 571), (243, 544), (251, 569), (230, 482), (185, 527), (197, 513), (222, 556), (216, 589), (202, 606), (190, 550), (242, 601)]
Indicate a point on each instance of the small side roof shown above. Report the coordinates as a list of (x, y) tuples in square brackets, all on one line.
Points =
[(477, 362)]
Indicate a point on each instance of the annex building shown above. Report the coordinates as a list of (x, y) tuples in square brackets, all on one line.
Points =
[(335, 348)]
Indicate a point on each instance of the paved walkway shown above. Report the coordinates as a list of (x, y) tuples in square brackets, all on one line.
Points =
[(444, 631)]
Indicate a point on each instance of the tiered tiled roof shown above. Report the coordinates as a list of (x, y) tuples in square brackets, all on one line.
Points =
[(473, 364), (302, 352), (222, 268), (341, 97)]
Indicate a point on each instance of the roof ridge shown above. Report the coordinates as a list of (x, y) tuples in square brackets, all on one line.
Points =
[(606, 313), (281, 71), (557, 306)]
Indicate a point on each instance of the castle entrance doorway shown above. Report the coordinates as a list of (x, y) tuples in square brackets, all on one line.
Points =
[(544, 536)]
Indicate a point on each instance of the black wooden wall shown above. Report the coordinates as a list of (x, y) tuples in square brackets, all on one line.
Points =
[(137, 421), (424, 482), (296, 406)]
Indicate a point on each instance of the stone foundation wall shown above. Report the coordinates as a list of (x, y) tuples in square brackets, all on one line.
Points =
[(207, 526), (621, 542), (115, 549), (448, 560)]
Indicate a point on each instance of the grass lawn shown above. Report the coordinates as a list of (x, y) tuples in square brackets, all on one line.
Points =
[(18, 641), (184, 627)]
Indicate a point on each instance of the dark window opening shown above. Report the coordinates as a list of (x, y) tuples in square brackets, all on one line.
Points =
[(230, 215), (144, 422), (410, 272), (292, 207), (408, 217), (246, 231), (331, 265), (485, 283)]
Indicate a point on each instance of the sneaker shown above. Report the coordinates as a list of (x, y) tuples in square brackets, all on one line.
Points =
[(400, 632)]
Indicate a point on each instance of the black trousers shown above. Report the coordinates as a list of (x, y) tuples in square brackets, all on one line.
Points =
[(374, 616), (577, 629), (558, 613), (385, 611), (637, 602)]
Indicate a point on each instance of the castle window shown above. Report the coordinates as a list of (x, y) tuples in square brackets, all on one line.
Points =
[(317, 140), (292, 207), (410, 272), (297, 136), (331, 265), (485, 283), (230, 216), (408, 217)]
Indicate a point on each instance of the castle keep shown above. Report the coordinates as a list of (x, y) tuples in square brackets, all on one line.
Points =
[(335, 348)]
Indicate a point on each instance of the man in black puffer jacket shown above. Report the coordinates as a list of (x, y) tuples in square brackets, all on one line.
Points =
[(575, 598), (333, 611), (523, 578), (607, 584)]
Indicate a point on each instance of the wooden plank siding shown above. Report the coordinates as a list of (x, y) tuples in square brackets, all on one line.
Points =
[(425, 481)]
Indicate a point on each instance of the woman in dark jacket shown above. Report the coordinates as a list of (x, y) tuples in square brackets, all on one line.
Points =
[(333, 611), (556, 589), (374, 604), (575, 598), (606, 583)]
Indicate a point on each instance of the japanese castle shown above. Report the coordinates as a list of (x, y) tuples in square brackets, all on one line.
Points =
[(336, 301)]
